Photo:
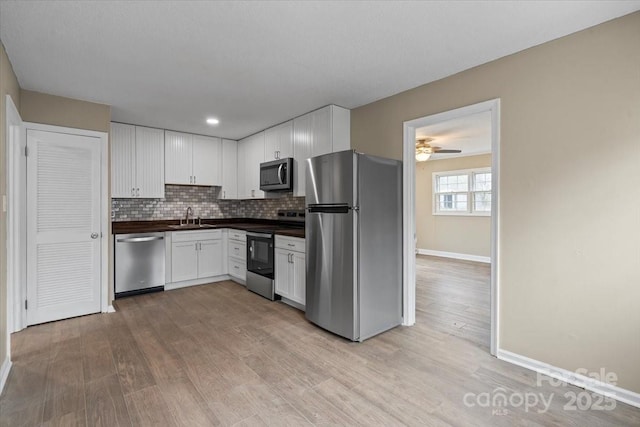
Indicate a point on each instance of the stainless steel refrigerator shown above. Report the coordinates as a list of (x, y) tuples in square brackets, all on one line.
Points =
[(354, 243)]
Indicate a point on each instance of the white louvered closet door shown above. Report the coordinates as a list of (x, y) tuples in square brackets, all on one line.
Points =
[(63, 226)]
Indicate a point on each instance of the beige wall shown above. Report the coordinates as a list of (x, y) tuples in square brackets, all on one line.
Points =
[(59, 111), (570, 173), (470, 235), (8, 86)]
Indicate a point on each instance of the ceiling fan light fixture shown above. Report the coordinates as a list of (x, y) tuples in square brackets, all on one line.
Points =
[(422, 156)]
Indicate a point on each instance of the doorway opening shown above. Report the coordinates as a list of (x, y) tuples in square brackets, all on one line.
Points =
[(458, 203)]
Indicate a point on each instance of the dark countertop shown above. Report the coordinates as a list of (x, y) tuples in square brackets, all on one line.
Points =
[(246, 224)]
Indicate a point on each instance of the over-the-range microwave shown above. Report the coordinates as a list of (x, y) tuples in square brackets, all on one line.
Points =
[(277, 175)]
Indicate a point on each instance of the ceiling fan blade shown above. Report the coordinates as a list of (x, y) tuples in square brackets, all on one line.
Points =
[(446, 151)]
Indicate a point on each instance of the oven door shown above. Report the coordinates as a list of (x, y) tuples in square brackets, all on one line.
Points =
[(260, 254)]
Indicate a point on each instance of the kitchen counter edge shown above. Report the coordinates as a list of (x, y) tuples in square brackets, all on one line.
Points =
[(245, 224)]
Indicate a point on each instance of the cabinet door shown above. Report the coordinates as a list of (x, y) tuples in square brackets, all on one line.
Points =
[(178, 151), (298, 278), (281, 276), (184, 261), (321, 132), (301, 152), (207, 158), (229, 188), (149, 162), (256, 154), (210, 261), (243, 150), (285, 140), (278, 142), (271, 144), (123, 140)]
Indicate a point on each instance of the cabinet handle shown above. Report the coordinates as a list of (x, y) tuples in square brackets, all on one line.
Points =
[(224, 194), (194, 179), (253, 193), (290, 244)]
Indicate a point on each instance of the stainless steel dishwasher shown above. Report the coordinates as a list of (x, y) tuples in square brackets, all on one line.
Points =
[(139, 263)]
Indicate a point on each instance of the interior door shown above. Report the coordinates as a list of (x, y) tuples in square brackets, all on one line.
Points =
[(63, 226)]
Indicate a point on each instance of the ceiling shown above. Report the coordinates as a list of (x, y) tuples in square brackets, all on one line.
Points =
[(471, 134), (172, 64)]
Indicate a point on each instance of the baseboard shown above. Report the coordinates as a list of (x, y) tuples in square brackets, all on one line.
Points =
[(620, 394), (454, 255), (4, 373), (110, 309), (195, 282), (292, 303)]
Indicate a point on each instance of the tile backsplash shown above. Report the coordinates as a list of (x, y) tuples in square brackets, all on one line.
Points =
[(204, 202)]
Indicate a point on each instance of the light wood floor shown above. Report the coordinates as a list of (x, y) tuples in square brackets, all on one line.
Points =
[(220, 355)]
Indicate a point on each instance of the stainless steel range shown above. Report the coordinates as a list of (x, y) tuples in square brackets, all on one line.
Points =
[(260, 242)]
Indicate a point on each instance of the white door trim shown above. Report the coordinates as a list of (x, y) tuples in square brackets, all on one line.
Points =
[(409, 212), (104, 204), (16, 262)]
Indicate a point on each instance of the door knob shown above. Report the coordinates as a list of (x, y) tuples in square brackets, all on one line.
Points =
[(94, 235)]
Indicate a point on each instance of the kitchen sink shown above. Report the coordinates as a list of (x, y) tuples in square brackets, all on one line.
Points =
[(191, 226)]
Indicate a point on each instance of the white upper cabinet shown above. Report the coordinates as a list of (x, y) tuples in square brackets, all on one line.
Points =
[(178, 150), (123, 143), (207, 158), (192, 159), (137, 162), (229, 188), (278, 141), (319, 132), (250, 155), (149, 162)]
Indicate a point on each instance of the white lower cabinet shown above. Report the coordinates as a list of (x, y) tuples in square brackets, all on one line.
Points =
[(210, 262), (290, 273), (196, 255), (184, 261), (237, 252)]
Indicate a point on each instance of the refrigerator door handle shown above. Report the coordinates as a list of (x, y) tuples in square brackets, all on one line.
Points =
[(339, 208)]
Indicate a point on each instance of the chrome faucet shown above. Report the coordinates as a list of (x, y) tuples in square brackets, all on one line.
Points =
[(189, 213)]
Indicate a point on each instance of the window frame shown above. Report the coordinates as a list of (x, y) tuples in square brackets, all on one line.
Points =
[(471, 192)]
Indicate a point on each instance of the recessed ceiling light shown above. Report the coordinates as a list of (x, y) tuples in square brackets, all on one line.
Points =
[(212, 121)]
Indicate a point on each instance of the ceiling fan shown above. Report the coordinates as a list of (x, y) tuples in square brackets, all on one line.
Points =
[(424, 150)]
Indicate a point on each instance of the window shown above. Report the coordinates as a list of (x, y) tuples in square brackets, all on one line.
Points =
[(462, 192)]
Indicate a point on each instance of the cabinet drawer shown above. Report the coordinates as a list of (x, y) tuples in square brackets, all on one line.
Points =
[(190, 236), (238, 235), (237, 269), (290, 243), (238, 250)]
